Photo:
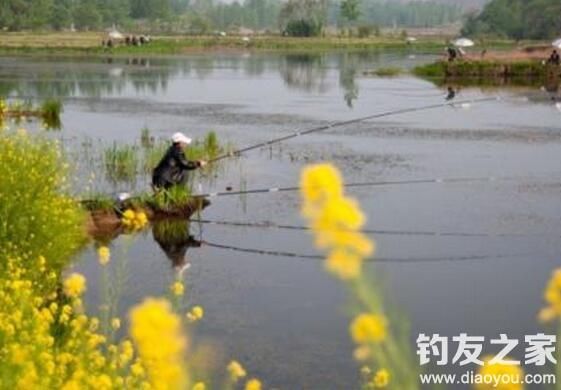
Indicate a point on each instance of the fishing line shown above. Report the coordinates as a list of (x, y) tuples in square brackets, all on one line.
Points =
[(387, 232), (378, 259), (345, 123), (362, 184)]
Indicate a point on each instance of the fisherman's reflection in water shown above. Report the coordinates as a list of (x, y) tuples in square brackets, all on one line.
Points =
[(552, 88), (451, 94), (174, 239)]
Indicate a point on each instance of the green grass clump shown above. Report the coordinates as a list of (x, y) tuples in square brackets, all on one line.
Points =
[(485, 70), (433, 70), (146, 140), (50, 112), (121, 162), (36, 217), (390, 71), (205, 149), (152, 155), (99, 202), (172, 197)]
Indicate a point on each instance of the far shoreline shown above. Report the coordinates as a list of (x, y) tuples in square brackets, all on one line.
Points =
[(89, 44)]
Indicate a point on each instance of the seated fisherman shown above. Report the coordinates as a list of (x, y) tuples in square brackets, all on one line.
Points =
[(171, 169)]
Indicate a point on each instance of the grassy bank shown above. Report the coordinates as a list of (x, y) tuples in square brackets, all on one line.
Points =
[(489, 72), (90, 43)]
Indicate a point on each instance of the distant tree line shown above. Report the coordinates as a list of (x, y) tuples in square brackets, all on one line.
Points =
[(83, 14), (294, 17), (517, 19)]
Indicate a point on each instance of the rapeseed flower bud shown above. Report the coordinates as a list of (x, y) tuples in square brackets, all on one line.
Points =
[(195, 314), (177, 288), (115, 323), (236, 371), (103, 255)]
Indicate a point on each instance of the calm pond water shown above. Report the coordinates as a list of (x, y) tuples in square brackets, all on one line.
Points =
[(283, 317)]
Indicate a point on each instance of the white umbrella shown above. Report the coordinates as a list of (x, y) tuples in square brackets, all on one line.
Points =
[(411, 39), (116, 35), (463, 42), (557, 43)]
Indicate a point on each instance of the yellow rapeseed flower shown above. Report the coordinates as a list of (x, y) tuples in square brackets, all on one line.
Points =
[(177, 288), (134, 220), (199, 386), (368, 328), (335, 220), (103, 255), (115, 323), (236, 371), (74, 285), (343, 264), (510, 376), (381, 378), (362, 353), (552, 296), (156, 330), (253, 384), (195, 314)]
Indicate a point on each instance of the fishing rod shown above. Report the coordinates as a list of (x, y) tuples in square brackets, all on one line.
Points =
[(389, 232), (275, 253), (360, 184), (348, 185), (346, 123)]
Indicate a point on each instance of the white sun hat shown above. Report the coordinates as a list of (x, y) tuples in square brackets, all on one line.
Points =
[(180, 137)]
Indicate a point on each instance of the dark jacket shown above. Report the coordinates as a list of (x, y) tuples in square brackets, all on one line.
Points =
[(171, 169)]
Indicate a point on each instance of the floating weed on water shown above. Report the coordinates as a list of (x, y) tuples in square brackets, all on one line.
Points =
[(388, 71), (20, 111)]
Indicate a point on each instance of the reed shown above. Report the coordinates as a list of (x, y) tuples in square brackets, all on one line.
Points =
[(121, 162)]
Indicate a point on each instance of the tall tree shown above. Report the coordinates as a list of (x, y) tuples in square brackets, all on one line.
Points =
[(87, 15), (61, 16), (350, 10), (150, 9)]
